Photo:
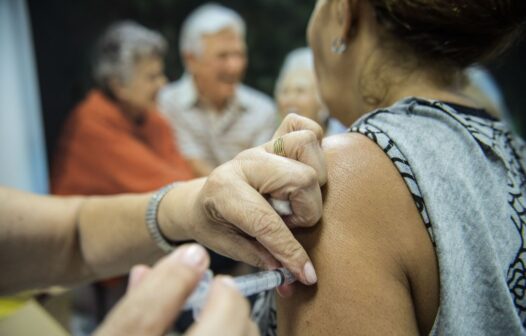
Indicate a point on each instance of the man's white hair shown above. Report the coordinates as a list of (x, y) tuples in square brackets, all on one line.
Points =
[(207, 19), (122, 44)]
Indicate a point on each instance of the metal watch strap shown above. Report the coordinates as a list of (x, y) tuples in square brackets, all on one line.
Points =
[(151, 219)]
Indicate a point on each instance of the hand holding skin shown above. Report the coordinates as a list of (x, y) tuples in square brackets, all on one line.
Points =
[(68, 240), (230, 215), (155, 298)]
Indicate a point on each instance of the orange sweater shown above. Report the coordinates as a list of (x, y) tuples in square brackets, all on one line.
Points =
[(102, 152)]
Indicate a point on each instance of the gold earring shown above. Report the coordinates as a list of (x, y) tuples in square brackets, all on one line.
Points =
[(338, 46)]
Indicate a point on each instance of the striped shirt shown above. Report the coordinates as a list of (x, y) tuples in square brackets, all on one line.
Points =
[(202, 133)]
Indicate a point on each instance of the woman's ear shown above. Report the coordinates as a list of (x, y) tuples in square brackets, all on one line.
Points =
[(347, 15), (345, 19)]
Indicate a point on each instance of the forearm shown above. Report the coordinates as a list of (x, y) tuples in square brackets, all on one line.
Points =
[(38, 241), (48, 241), (113, 231), (179, 211), (112, 234)]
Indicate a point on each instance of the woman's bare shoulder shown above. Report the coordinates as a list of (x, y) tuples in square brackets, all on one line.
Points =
[(375, 262)]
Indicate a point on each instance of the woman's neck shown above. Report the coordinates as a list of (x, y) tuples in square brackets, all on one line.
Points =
[(423, 86), (446, 95), (131, 113), (135, 115)]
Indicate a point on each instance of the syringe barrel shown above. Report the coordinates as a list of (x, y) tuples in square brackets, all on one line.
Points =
[(255, 283), (200, 293), (247, 284)]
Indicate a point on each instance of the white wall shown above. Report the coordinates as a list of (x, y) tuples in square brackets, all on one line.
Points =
[(22, 147)]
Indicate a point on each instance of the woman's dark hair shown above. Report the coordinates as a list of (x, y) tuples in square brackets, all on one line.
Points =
[(457, 32)]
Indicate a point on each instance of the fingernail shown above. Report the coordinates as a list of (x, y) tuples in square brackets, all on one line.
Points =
[(193, 255), (310, 273)]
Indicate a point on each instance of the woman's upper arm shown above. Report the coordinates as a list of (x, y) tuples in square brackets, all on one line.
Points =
[(376, 266)]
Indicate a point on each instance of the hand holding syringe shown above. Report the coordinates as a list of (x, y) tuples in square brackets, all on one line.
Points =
[(247, 284)]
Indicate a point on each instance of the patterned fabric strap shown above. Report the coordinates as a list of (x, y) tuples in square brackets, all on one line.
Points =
[(151, 219)]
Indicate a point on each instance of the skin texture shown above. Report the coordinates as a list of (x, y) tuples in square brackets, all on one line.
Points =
[(212, 221), (376, 265), (138, 94), (298, 94), (378, 271)]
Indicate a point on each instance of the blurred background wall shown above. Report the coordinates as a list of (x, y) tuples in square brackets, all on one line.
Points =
[(65, 32), (22, 149)]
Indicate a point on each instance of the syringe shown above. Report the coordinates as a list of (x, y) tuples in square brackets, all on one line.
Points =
[(247, 284)]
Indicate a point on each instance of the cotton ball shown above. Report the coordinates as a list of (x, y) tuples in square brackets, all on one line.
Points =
[(281, 207)]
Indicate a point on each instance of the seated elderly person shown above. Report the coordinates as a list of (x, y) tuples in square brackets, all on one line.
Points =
[(115, 141), (215, 116), (297, 91)]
